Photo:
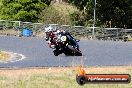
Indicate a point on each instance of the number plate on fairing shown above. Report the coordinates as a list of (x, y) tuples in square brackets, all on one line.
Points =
[(63, 38)]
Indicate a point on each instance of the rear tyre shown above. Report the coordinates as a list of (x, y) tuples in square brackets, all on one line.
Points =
[(78, 54), (69, 52), (74, 51)]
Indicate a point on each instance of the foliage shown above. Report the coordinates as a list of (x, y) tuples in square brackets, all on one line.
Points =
[(77, 18), (85, 16), (109, 13), (116, 12), (24, 10), (79, 3), (52, 16)]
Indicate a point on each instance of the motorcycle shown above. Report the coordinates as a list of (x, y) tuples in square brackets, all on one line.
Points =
[(66, 44)]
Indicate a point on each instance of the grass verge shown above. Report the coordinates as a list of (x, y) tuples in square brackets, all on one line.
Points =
[(8, 32), (56, 77)]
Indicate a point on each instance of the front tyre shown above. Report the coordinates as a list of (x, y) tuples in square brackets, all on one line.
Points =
[(55, 52)]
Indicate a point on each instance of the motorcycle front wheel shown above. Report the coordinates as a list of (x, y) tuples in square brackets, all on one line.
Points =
[(55, 52)]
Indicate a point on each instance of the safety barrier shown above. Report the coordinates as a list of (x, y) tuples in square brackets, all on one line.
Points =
[(114, 34)]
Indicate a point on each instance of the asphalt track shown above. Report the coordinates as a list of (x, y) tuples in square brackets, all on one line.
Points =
[(95, 53)]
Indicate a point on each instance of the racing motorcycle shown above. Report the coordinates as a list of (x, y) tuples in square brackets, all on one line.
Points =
[(66, 44)]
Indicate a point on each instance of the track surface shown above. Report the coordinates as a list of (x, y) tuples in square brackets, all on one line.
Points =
[(95, 53)]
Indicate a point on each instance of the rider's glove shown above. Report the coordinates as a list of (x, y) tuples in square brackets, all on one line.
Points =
[(52, 46), (46, 39)]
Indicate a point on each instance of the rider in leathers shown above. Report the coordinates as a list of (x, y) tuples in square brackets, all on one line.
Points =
[(52, 33)]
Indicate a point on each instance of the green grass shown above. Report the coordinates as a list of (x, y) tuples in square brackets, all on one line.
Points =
[(43, 81), (65, 79)]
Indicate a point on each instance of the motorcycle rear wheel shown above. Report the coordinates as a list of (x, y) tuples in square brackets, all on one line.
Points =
[(75, 52), (69, 52), (78, 54)]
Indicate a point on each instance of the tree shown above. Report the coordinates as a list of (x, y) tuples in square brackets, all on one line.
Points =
[(50, 15), (23, 10), (80, 4), (115, 13), (85, 17), (109, 13), (77, 18)]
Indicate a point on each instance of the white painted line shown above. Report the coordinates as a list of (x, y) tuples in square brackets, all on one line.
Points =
[(22, 58)]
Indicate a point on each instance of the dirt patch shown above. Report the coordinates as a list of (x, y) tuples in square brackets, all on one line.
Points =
[(4, 56), (9, 32)]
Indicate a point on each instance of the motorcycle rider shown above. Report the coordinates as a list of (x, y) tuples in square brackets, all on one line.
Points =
[(70, 37), (52, 34)]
